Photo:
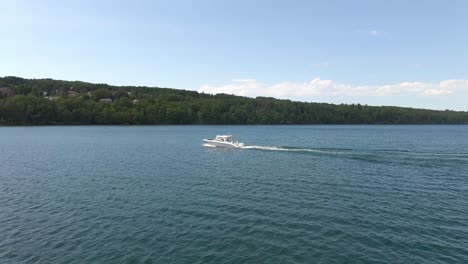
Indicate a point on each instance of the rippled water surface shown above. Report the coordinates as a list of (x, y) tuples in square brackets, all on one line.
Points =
[(296, 194)]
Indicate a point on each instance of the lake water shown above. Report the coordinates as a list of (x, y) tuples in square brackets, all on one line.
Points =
[(304, 194)]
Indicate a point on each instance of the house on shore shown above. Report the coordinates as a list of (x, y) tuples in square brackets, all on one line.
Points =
[(72, 93), (7, 91)]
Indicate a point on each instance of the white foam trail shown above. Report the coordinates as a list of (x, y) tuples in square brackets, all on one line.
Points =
[(329, 151), (264, 147), (274, 148), (351, 153)]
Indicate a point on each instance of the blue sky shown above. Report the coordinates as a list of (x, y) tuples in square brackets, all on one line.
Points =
[(408, 53)]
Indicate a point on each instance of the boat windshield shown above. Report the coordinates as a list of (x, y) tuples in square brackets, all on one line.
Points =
[(224, 138)]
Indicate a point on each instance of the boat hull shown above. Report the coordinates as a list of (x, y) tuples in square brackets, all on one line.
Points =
[(220, 144)]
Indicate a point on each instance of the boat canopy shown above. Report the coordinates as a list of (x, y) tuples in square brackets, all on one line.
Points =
[(224, 138)]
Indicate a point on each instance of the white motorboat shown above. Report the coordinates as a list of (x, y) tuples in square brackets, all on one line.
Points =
[(223, 141)]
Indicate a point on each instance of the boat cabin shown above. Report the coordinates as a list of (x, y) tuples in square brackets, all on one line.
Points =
[(224, 138)]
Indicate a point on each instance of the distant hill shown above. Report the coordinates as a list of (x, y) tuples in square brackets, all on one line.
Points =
[(55, 102)]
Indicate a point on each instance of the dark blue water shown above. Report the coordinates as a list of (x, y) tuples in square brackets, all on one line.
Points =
[(316, 194)]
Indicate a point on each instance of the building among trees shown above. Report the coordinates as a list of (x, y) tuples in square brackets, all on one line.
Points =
[(7, 92)]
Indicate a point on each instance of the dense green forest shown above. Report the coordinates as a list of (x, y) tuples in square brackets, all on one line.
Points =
[(54, 102)]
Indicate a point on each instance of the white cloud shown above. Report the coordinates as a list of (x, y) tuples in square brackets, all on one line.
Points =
[(374, 32), (315, 88)]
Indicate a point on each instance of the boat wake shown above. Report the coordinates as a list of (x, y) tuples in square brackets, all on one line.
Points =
[(291, 149), (277, 148), (374, 155)]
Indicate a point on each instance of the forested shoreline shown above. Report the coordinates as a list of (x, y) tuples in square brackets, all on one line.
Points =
[(56, 102)]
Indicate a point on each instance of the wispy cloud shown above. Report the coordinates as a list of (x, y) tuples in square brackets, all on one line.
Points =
[(319, 88)]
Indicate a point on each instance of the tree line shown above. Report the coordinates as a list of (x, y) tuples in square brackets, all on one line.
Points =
[(55, 102)]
